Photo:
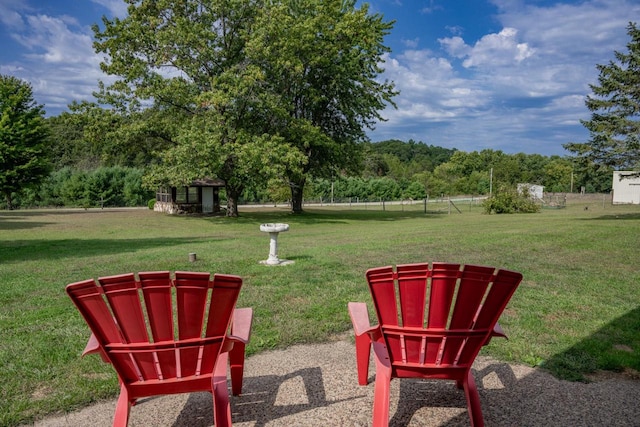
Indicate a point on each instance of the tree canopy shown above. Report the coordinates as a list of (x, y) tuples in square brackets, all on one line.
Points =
[(322, 61), (252, 90), (23, 134), (181, 63), (614, 126)]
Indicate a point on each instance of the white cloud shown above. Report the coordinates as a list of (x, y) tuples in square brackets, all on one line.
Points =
[(411, 44), (429, 86), (11, 13), (591, 28), (431, 8), (115, 7), (57, 59), (491, 50), (53, 40), (456, 30), (455, 46), (521, 88)]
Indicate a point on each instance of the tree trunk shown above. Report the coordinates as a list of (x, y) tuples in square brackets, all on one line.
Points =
[(9, 201), (233, 195), (297, 189)]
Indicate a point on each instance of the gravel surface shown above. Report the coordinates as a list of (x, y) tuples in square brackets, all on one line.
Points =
[(316, 385)]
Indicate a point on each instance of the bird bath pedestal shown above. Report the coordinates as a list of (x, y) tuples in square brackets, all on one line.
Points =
[(274, 230)]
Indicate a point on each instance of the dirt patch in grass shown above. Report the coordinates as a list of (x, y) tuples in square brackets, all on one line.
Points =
[(97, 376), (626, 374), (42, 392), (623, 347)]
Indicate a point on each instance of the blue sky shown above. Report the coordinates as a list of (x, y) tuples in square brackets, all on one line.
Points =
[(507, 75)]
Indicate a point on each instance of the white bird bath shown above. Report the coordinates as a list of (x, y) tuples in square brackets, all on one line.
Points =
[(274, 229)]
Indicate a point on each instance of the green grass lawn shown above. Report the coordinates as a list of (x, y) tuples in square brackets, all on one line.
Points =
[(577, 310)]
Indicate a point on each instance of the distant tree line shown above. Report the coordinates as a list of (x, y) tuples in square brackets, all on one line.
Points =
[(99, 159)]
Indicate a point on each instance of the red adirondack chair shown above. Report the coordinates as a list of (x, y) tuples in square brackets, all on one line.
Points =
[(432, 324), (132, 321)]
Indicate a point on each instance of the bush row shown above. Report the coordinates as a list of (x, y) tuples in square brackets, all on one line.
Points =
[(102, 187)]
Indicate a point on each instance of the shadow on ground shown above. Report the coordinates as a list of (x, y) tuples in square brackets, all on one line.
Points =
[(614, 347), (262, 403), (316, 385), (626, 216), (52, 249)]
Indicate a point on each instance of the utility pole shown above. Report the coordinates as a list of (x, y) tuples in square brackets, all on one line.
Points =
[(491, 182), (332, 192), (571, 182)]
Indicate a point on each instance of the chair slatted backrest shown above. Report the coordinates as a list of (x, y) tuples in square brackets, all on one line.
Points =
[(133, 320), (439, 316)]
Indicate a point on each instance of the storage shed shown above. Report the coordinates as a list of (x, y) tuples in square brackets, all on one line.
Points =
[(201, 196), (626, 187)]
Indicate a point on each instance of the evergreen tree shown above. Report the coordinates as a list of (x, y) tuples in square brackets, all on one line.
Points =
[(615, 104), (23, 162)]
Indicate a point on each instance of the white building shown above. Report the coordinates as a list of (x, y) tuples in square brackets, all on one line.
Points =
[(626, 187), (535, 191)]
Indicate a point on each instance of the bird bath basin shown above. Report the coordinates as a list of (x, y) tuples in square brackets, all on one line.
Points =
[(274, 229)]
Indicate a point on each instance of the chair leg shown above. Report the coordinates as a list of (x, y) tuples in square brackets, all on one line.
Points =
[(363, 351), (382, 386), (220, 392), (236, 358), (473, 401), (123, 406)]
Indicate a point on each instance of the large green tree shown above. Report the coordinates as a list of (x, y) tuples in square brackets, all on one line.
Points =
[(321, 59), (260, 88), (614, 126), (185, 59), (23, 136)]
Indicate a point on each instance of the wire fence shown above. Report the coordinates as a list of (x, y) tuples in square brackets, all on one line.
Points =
[(440, 204), (445, 204)]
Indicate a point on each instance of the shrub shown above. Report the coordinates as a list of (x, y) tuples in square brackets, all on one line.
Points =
[(508, 200), (414, 191), (151, 203)]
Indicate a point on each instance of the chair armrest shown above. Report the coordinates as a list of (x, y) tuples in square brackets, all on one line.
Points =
[(241, 324), (498, 331), (382, 359), (235, 344), (365, 335), (360, 318), (93, 346)]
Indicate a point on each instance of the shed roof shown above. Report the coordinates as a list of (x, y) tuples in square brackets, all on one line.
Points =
[(207, 182)]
